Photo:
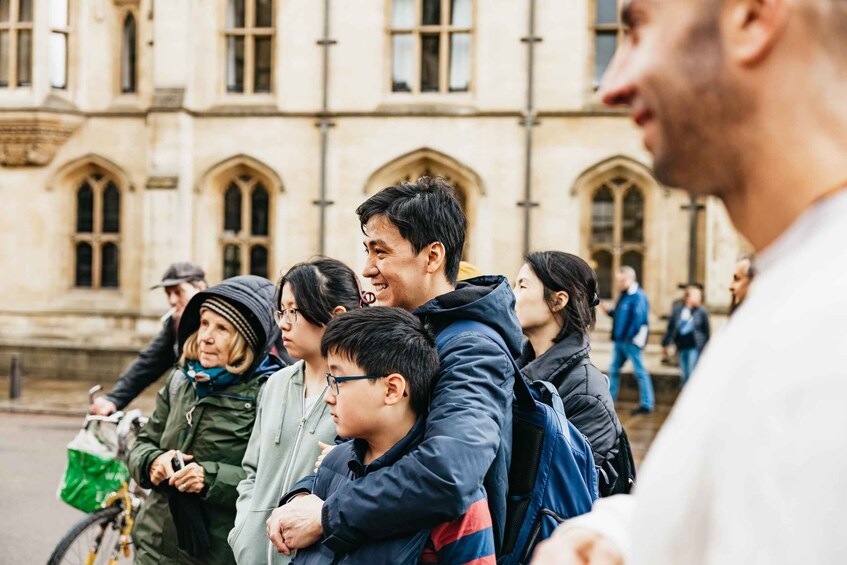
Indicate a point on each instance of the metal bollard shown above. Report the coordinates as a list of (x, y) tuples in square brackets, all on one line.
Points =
[(15, 377)]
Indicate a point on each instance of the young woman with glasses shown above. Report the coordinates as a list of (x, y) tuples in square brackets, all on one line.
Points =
[(293, 424)]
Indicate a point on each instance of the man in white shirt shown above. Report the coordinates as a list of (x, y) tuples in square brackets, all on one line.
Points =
[(744, 100)]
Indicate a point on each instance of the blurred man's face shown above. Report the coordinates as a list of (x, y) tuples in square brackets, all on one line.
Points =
[(671, 72), (179, 295), (740, 282), (623, 281), (694, 297)]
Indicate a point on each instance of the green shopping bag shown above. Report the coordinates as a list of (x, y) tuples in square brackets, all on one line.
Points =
[(92, 473)]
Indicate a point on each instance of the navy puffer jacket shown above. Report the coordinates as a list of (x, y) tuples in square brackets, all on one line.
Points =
[(468, 436)]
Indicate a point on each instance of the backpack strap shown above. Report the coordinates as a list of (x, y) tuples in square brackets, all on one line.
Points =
[(523, 396)]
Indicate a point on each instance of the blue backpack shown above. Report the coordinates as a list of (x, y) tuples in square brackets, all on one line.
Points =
[(552, 476)]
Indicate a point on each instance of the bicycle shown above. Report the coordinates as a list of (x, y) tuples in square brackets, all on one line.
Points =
[(103, 537)]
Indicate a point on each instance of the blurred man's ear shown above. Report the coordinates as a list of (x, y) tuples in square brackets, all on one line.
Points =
[(751, 28)]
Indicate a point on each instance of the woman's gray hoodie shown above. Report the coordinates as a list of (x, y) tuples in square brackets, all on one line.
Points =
[(282, 449)]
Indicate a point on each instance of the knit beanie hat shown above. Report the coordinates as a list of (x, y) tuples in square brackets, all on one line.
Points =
[(231, 314)]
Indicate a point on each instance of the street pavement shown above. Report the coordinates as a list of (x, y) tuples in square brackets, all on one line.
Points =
[(35, 429), (32, 460)]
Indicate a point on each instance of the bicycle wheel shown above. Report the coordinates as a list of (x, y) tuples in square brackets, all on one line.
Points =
[(94, 540)]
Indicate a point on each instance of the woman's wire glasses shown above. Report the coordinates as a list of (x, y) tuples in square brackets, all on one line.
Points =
[(287, 315)]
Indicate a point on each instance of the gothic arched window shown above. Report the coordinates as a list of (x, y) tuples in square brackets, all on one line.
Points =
[(246, 211), (617, 230), (97, 237)]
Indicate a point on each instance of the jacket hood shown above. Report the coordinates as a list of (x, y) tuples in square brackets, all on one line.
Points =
[(488, 299), (561, 357), (253, 297)]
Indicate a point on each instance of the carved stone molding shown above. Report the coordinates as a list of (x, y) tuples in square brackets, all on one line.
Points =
[(31, 139), (162, 183), (168, 98)]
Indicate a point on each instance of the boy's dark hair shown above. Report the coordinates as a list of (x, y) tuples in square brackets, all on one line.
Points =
[(424, 212), (559, 271), (383, 340), (319, 286)]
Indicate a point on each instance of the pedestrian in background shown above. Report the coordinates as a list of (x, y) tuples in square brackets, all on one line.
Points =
[(181, 282), (629, 334), (741, 279), (688, 330)]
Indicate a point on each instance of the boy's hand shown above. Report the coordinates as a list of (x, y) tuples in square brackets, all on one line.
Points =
[(297, 524), (325, 449)]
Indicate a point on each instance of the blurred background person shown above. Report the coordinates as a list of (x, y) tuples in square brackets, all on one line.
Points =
[(629, 333), (688, 329), (181, 282), (741, 279)]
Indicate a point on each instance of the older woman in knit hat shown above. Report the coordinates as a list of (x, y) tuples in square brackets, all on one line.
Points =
[(191, 449)]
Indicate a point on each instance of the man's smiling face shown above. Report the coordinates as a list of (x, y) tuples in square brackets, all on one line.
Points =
[(394, 269)]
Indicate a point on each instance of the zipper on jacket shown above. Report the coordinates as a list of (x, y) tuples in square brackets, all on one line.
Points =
[(287, 477)]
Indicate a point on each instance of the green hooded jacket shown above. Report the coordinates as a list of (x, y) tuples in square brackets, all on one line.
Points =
[(214, 429)]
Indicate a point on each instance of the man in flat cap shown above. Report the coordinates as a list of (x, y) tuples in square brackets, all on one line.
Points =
[(181, 281)]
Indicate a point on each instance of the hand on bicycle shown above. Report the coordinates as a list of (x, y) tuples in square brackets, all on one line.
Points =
[(102, 406), (190, 479)]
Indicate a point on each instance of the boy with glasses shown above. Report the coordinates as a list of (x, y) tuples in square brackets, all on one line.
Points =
[(382, 364)]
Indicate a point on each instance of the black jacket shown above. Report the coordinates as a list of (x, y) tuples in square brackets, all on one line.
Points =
[(467, 438), (701, 327), (584, 391), (154, 361)]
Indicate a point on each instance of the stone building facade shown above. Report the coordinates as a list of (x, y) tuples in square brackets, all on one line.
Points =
[(242, 134)]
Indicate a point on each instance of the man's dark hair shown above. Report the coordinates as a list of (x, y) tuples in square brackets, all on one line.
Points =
[(320, 285), (424, 212), (559, 271), (383, 340)]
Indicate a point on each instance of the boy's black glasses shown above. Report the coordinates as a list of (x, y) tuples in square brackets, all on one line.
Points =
[(332, 381)]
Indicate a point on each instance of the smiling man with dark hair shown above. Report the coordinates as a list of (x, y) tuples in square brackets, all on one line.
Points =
[(414, 236)]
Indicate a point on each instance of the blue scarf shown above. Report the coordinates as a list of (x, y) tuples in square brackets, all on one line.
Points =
[(206, 381)]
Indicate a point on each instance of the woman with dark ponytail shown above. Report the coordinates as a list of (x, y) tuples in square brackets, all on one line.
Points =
[(556, 296)]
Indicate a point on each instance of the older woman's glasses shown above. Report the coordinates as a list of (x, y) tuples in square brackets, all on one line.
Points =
[(332, 381), (287, 315)]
